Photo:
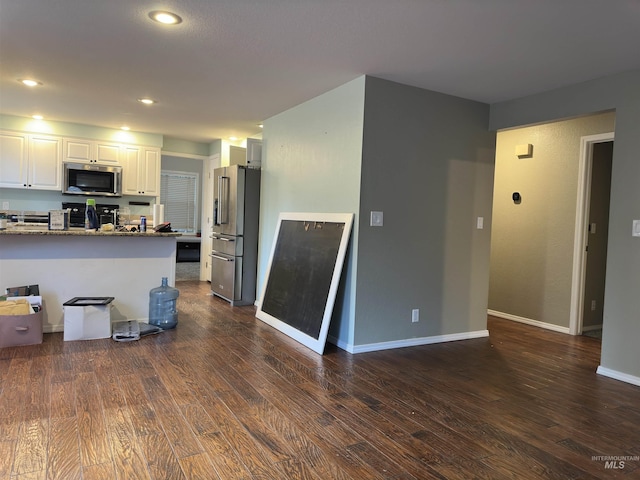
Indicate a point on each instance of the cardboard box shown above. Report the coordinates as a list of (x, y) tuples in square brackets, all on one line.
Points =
[(86, 321), (18, 330)]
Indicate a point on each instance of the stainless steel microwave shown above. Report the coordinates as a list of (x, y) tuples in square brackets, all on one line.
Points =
[(92, 180)]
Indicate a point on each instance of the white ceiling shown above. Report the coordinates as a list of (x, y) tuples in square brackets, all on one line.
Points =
[(234, 63)]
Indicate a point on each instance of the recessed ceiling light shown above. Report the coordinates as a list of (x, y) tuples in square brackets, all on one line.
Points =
[(29, 82), (146, 101), (125, 128), (233, 139), (37, 117), (167, 18), (260, 125)]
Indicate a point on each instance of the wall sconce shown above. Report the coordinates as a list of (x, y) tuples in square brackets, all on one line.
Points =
[(524, 151)]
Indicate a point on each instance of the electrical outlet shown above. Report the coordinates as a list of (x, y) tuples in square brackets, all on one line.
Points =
[(415, 315), (593, 305), (5, 205)]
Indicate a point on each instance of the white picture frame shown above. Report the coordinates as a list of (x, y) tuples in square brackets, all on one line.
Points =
[(303, 274)]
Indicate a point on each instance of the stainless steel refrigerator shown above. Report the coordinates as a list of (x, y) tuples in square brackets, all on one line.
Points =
[(234, 236)]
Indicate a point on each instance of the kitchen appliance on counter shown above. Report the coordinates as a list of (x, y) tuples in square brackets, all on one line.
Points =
[(28, 218), (234, 236), (77, 212)]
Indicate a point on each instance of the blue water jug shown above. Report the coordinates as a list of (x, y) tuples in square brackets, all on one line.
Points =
[(163, 311)]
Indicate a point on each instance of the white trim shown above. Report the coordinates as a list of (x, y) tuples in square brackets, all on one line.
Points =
[(409, 342), (529, 321), (580, 232), (193, 156), (623, 377)]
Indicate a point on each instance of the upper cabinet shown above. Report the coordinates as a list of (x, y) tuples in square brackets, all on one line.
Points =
[(254, 153), (141, 171), (251, 156), (30, 161), (80, 150)]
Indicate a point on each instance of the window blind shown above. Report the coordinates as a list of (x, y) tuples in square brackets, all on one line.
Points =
[(179, 194)]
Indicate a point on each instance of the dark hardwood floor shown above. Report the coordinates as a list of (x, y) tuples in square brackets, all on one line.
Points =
[(225, 396)]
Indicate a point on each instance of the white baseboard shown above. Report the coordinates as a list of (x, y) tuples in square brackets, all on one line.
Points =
[(623, 377), (529, 321), (409, 342)]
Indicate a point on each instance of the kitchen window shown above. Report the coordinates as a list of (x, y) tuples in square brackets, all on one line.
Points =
[(179, 195)]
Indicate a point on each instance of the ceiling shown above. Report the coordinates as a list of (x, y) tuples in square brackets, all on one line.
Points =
[(233, 63)]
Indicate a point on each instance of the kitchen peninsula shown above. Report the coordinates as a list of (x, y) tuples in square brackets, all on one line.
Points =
[(74, 263)]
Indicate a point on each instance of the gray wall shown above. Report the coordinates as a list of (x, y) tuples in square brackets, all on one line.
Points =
[(427, 163), (532, 242), (621, 328), (426, 160)]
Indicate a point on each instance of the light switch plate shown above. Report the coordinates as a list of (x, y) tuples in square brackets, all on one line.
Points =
[(636, 228), (480, 223), (376, 219)]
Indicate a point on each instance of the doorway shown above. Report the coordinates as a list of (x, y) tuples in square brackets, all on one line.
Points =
[(592, 225), (538, 263)]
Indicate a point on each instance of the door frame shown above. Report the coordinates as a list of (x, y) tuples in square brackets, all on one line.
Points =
[(580, 235)]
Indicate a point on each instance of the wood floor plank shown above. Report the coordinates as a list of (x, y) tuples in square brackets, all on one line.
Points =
[(92, 431), (173, 423), (198, 419), (143, 416), (31, 447), (128, 458), (63, 459), (172, 376), (103, 471), (61, 367), (162, 463), (7, 447), (13, 398), (226, 462), (63, 401), (225, 396), (199, 467)]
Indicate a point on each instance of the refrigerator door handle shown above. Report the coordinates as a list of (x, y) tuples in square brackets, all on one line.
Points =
[(223, 200), (223, 239), (221, 258)]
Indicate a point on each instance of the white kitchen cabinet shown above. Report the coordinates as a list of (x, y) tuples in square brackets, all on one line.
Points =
[(79, 150), (30, 161), (251, 156), (140, 171), (254, 153)]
